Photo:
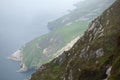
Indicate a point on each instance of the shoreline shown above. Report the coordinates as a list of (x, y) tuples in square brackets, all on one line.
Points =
[(18, 57)]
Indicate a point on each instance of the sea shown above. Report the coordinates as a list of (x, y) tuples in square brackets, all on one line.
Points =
[(20, 22), (9, 43)]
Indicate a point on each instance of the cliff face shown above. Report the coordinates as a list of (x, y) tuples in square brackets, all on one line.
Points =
[(45, 48), (95, 56)]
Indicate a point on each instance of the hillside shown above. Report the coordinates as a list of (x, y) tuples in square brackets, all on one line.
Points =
[(85, 11), (95, 56), (44, 48)]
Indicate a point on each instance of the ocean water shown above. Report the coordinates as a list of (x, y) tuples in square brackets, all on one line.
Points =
[(20, 22), (9, 43)]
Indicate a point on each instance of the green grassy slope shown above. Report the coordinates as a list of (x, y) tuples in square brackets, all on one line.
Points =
[(85, 11), (68, 27), (96, 56), (54, 41)]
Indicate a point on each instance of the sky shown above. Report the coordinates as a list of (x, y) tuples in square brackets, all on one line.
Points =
[(25, 19), (34, 7), (25, 11)]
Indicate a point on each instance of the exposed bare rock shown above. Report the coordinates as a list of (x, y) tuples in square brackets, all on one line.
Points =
[(23, 67), (17, 56), (67, 47), (95, 56)]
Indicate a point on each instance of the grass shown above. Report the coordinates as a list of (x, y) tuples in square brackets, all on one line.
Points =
[(33, 56)]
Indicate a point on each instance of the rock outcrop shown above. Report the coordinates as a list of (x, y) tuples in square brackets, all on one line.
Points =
[(23, 67), (63, 30), (95, 56), (67, 47), (18, 56)]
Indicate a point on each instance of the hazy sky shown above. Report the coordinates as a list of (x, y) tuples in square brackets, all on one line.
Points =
[(25, 19), (34, 7), (25, 11)]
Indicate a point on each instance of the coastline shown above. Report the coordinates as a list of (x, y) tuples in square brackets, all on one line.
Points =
[(18, 57)]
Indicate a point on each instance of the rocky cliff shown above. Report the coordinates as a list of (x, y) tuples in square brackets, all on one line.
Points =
[(95, 56), (45, 48)]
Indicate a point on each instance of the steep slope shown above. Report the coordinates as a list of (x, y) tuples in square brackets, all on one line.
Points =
[(95, 56), (44, 48)]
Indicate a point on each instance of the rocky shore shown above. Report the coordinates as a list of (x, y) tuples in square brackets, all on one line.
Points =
[(18, 56), (23, 67)]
